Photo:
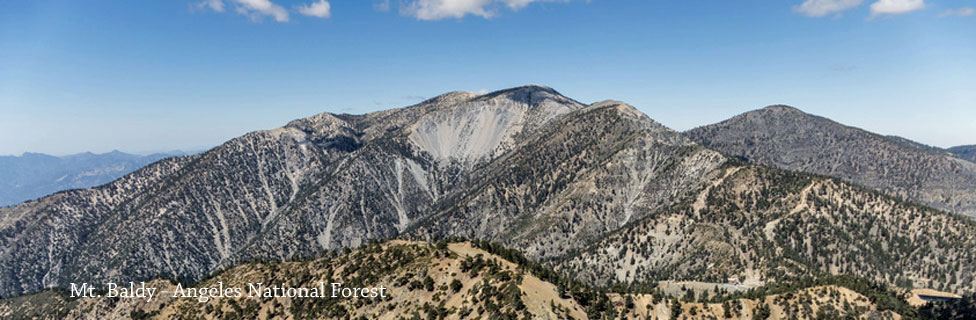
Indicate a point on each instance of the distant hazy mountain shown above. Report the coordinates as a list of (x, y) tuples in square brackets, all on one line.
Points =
[(600, 190), (965, 152), (785, 137), (33, 175)]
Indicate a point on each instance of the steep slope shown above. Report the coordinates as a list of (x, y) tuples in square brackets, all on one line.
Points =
[(323, 182), (765, 225), (442, 281), (402, 176), (964, 152), (33, 175), (588, 174), (179, 215), (525, 167), (788, 138)]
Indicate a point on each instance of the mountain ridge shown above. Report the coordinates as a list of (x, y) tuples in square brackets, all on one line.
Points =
[(241, 190), (525, 167), (967, 152), (454, 280)]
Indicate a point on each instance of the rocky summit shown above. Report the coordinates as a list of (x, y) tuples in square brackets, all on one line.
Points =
[(599, 192)]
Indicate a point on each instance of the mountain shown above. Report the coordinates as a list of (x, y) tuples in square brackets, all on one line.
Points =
[(526, 167), (450, 281), (512, 158), (965, 152), (33, 175), (785, 137)]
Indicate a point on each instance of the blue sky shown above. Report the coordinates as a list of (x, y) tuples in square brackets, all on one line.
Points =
[(143, 76)]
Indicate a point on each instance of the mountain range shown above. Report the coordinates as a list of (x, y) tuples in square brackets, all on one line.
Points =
[(34, 175), (597, 191)]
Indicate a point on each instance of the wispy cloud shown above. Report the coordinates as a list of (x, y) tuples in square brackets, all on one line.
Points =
[(256, 9), (457, 9), (519, 4), (820, 8), (320, 9), (895, 7), (440, 9), (961, 12), (215, 5)]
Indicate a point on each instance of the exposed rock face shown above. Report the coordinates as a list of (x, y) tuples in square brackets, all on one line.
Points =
[(965, 152), (526, 167), (590, 173), (787, 138), (324, 182), (33, 175)]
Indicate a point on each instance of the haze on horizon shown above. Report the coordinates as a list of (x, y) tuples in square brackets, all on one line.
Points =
[(157, 76)]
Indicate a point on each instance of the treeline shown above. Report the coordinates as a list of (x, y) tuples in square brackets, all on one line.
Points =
[(595, 301), (958, 309), (878, 293)]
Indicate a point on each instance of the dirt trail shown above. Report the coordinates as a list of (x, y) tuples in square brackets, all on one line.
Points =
[(800, 206), (703, 196)]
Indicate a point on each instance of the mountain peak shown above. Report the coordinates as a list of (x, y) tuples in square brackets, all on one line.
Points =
[(465, 127), (532, 95), (782, 108), (787, 138), (781, 114), (531, 88)]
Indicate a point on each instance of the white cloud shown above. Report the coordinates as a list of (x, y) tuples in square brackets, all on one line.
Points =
[(961, 12), (255, 9), (519, 4), (215, 5), (893, 7), (442, 9), (820, 8), (320, 9)]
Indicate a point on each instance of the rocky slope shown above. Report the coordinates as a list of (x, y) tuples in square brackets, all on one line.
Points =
[(525, 167), (590, 173), (443, 281), (333, 181), (33, 175), (764, 225), (788, 138)]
